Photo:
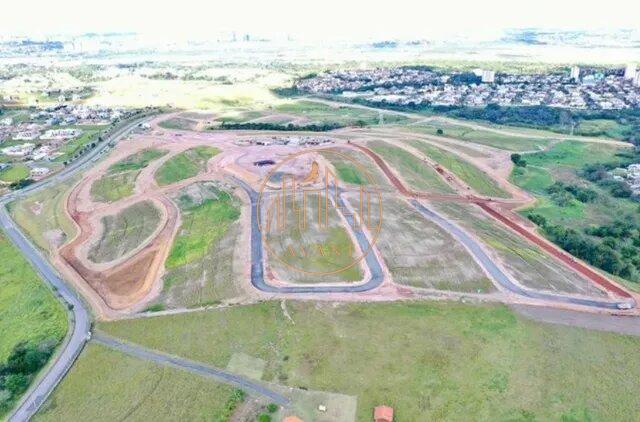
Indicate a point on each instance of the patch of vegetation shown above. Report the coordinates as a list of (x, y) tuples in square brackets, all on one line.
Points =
[(187, 164), (467, 172), (484, 137), (416, 172), (32, 323), (582, 200), (113, 187), (41, 214), (518, 160), (137, 161), (106, 385), (349, 173), (202, 225), (120, 179), (313, 127), (519, 366), (125, 231), (320, 113), (14, 173)]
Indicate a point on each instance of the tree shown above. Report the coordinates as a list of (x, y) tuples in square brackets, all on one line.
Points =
[(440, 131), (517, 160)]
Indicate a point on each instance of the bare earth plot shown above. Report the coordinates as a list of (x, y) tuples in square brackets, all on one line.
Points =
[(420, 254)]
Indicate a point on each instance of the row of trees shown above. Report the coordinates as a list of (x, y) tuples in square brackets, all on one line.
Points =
[(314, 127)]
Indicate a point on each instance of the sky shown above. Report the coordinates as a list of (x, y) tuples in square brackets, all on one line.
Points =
[(313, 20)]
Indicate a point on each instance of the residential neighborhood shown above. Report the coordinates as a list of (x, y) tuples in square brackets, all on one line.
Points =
[(589, 88)]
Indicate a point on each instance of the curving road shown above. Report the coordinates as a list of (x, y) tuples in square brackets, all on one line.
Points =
[(500, 276), (257, 265), (192, 366), (80, 316), (476, 250)]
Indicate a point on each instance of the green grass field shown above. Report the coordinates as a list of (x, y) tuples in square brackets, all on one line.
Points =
[(119, 181), (484, 137), (41, 215), (603, 127), (113, 187), (521, 370), (418, 174), (106, 385), (201, 267), (125, 231), (322, 113), (202, 225), (563, 162), (137, 161), (14, 173), (467, 172), (349, 173), (184, 165), (28, 310)]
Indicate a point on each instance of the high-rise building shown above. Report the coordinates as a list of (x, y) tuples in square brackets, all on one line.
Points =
[(630, 71), (636, 81), (488, 76), (575, 73)]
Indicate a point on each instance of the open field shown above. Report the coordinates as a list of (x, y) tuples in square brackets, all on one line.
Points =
[(137, 161), (526, 263), (323, 113), (42, 216), (201, 267), (420, 254), (484, 137), (113, 187), (563, 163), (467, 172), (184, 165), (106, 385), (29, 313), (120, 179), (15, 173), (125, 231), (313, 254), (356, 168), (522, 369), (417, 174)]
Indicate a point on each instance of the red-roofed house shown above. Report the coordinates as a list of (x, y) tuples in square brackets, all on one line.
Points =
[(383, 414)]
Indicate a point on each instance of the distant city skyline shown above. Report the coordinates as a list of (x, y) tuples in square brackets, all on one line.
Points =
[(330, 20)]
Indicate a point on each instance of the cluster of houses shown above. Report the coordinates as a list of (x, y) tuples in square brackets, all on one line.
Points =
[(49, 123), (587, 89)]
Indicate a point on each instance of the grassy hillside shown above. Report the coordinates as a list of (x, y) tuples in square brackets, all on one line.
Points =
[(29, 316), (184, 165), (467, 172), (106, 385), (521, 370)]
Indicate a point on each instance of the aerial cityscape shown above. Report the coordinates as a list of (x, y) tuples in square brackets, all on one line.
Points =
[(352, 215)]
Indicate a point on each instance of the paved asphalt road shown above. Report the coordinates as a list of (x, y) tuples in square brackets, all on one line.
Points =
[(257, 267), (191, 366), (81, 319), (497, 274)]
